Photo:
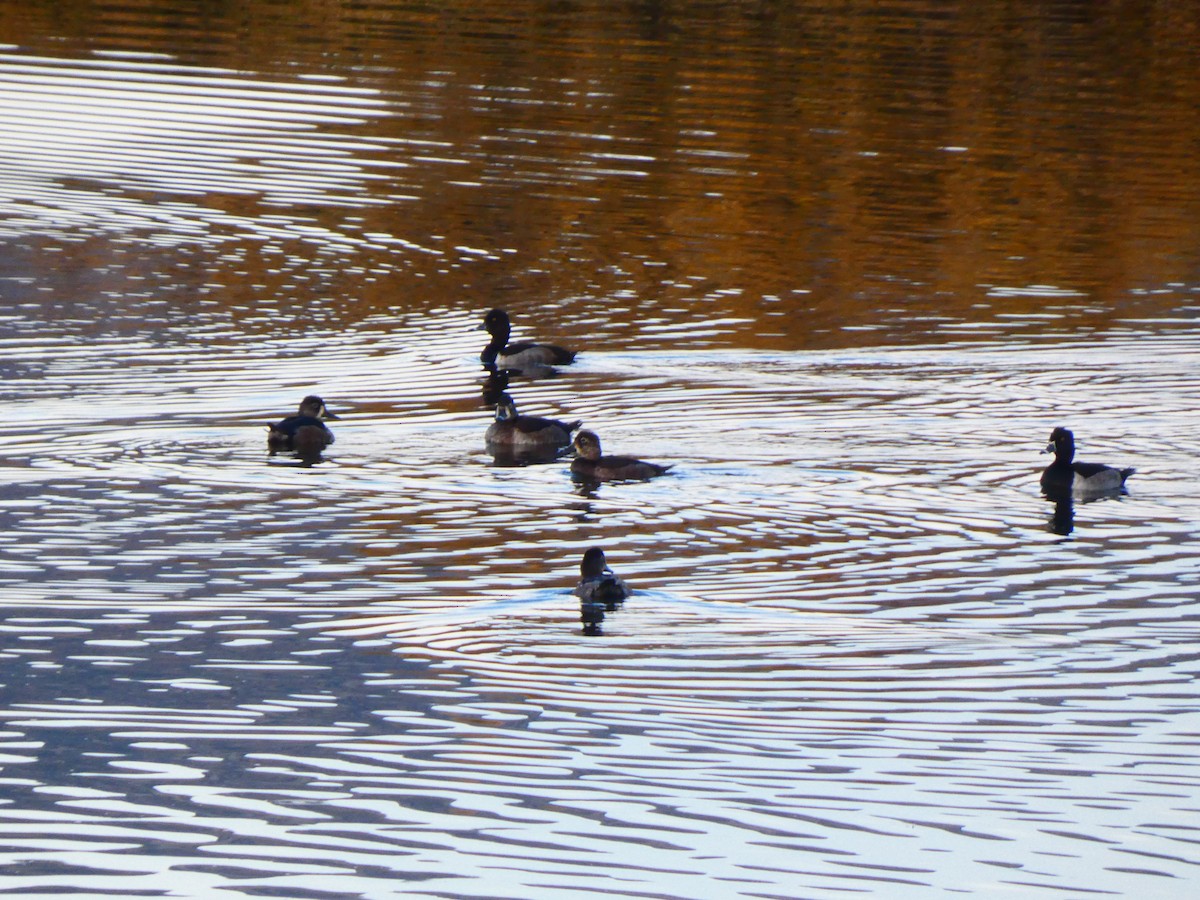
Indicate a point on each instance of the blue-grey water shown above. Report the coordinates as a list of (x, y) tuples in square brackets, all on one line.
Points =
[(844, 268)]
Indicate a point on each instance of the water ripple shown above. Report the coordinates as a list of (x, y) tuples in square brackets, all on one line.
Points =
[(862, 653), (148, 131)]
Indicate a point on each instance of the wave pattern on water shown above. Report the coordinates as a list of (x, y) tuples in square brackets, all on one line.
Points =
[(815, 751), (149, 145), (855, 648), (863, 654)]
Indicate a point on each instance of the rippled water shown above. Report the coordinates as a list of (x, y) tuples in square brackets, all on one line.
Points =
[(863, 656)]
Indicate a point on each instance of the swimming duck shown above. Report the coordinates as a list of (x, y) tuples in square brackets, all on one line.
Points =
[(589, 464), (599, 590), (1064, 476), (598, 583), (521, 355), (515, 433), (305, 433)]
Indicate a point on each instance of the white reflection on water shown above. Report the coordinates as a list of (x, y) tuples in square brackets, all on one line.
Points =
[(859, 658), (119, 145), (856, 656)]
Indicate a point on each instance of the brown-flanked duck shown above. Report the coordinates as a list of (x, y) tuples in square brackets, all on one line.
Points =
[(590, 464), (304, 433)]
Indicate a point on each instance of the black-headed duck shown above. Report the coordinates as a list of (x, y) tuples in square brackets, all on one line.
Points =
[(521, 355), (598, 583), (1065, 477), (590, 464), (304, 433), (599, 590), (515, 433)]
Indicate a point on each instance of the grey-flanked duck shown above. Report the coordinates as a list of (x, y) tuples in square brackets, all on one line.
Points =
[(598, 583), (1065, 477), (520, 355), (599, 590), (514, 433)]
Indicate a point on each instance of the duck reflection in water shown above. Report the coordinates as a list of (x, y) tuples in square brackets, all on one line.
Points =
[(1062, 520), (600, 590), (305, 433), (1064, 481), (495, 385), (514, 439), (528, 358)]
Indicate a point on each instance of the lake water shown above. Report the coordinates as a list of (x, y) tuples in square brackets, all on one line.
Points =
[(844, 267)]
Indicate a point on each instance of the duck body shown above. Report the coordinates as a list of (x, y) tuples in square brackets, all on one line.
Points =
[(499, 353), (590, 464), (598, 583), (599, 590), (516, 433), (306, 432), (1065, 477)]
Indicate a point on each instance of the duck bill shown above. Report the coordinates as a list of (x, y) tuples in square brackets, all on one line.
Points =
[(1049, 448)]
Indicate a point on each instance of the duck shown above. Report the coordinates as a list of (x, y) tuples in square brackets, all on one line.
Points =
[(514, 433), (501, 354), (598, 583), (304, 433), (590, 463), (1064, 476), (599, 590)]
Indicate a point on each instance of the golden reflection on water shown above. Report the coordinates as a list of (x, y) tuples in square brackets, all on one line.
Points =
[(854, 651), (829, 176)]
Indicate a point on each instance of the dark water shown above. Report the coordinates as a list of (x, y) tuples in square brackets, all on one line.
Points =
[(844, 267)]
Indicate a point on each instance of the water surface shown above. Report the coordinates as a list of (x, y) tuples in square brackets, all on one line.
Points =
[(844, 269)]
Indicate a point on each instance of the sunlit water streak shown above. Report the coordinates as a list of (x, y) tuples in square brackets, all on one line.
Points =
[(854, 652), (859, 657), (160, 141)]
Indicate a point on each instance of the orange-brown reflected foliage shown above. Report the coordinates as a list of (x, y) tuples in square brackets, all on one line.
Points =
[(866, 165)]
